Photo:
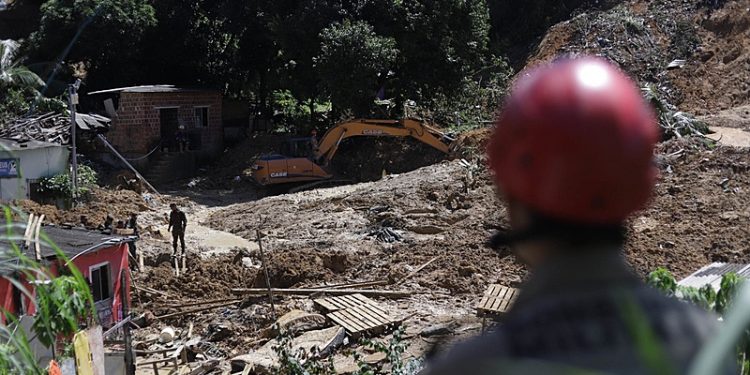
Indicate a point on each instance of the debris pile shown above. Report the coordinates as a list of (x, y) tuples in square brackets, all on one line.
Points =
[(51, 127)]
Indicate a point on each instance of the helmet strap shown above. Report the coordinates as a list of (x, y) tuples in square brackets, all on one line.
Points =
[(567, 234)]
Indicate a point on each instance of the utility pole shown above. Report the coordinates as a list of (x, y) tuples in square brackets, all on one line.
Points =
[(72, 102)]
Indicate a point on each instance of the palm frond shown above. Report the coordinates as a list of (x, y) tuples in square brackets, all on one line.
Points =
[(23, 77)]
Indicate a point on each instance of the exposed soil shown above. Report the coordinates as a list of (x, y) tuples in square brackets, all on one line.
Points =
[(102, 202), (367, 159), (644, 37), (386, 228)]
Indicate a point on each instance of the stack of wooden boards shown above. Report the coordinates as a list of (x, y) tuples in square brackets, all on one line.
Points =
[(497, 300), (358, 314)]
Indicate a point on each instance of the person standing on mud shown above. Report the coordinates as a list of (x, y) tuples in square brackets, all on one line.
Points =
[(572, 156), (133, 224), (177, 225)]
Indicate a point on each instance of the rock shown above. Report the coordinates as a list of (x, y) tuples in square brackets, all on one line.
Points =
[(247, 262), (374, 358), (297, 321), (166, 335), (322, 341), (265, 361), (644, 224), (425, 229), (729, 216), (260, 362)]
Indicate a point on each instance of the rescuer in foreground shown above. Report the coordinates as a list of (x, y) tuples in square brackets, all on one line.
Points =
[(572, 156)]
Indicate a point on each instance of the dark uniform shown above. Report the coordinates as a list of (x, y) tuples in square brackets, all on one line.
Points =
[(133, 224), (583, 312), (177, 223)]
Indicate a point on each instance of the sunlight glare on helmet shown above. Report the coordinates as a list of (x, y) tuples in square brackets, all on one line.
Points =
[(593, 75)]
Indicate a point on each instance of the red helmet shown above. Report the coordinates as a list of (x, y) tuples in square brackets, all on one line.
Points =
[(575, 142)]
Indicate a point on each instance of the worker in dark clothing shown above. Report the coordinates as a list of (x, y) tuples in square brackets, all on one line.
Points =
[(572, 157), (133, 224), (177, 225)]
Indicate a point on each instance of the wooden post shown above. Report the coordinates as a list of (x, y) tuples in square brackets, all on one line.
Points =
[(265, 270), (129, 353), (37, 244)]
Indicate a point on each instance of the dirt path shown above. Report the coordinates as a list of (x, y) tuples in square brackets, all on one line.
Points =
[(200, 235)]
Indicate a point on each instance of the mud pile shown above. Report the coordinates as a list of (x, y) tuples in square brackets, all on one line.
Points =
[(643, 37), (102, 202), (718, 76), (699, 215), (367, 159)]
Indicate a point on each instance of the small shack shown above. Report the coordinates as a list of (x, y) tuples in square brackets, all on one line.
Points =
[(24, 163), (146, 119), (101, 258)]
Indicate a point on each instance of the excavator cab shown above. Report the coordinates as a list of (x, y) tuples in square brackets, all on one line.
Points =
[(295, 162)]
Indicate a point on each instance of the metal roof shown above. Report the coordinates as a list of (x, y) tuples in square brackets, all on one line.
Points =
[(72, 242), (12, 145), (147, 89), (92, 121), (711, 274)]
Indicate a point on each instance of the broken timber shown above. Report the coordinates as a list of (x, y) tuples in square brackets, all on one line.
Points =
[(358, 314), (338, 292), (179, 313), (497, 300), (137, 174)]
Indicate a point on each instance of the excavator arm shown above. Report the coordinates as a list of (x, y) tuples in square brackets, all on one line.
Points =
[(375, 128)]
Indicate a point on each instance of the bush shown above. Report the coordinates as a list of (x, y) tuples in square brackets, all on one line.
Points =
[(60, 185), (707, 298)]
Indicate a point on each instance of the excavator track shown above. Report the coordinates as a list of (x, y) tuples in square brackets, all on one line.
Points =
[(319, 184)]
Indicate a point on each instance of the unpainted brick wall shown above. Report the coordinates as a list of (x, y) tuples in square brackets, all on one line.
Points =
[(137, 128)]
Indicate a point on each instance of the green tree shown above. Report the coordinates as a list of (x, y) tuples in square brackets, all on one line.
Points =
[(352, 63), (12, 72), (102, 38), (441, 42)]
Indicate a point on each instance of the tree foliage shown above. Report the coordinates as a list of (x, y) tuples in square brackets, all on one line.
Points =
[(353, 62), (432, 53), (104, 36)]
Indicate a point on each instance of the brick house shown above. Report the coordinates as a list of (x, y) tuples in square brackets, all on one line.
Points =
[(145, 118)]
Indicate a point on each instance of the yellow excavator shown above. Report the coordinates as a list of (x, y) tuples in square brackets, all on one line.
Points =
[(306, 160)]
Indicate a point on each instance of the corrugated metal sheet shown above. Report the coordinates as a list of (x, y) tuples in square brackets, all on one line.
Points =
[(712, 273)]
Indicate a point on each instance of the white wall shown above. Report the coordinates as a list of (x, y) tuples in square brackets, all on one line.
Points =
[(34, 163)]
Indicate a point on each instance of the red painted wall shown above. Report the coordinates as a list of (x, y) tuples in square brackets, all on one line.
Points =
[(116, 256)]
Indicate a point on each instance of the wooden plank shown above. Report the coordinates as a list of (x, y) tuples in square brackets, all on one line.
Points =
[(373, 306), (348, 323), (499, 298), (335, 292), (364, 299), (342, 322), (364, 317), (356, 320), (352, 301), (325, 305), (491, 291), (344, 301), (335, 303), (380, 312), (366, 311), (341, 314), (483, 302)]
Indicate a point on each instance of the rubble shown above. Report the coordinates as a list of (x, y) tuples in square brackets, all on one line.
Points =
[(51, 127), (423, 232)]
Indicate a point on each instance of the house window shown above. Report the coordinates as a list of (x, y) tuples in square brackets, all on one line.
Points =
[(201, 117), (99, 275)]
